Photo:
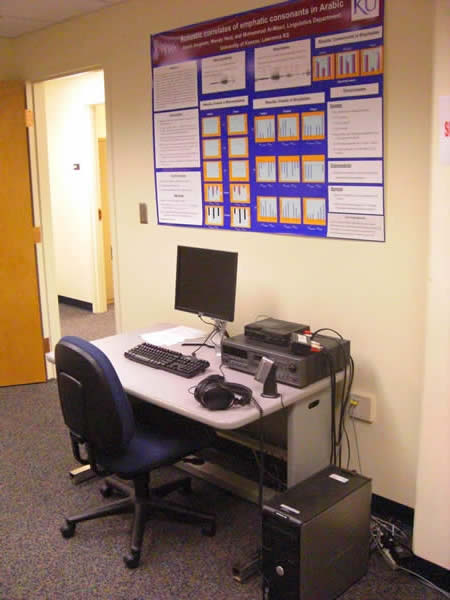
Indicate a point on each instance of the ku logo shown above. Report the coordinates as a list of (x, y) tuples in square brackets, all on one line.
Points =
[(365, 9)]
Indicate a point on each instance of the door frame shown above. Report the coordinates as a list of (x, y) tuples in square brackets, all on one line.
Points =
[(40, 187), (40, 182)]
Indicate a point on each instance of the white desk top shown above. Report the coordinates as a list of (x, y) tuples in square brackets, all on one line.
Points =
[(175, 393)]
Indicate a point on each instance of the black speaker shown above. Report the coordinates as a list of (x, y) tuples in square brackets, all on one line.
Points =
[(214, 393), (316, 537)]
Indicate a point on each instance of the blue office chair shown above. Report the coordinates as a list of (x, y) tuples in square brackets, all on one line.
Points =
[(100, 418)]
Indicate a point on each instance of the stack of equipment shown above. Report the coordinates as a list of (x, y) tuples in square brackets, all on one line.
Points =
[(297, 364)]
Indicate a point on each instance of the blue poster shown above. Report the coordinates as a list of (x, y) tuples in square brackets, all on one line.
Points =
[(272, 121)]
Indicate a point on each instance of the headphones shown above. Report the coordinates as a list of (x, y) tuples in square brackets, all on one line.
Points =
[(214, 393)]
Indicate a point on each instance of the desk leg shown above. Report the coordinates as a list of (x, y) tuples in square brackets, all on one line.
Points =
[(308, 436)]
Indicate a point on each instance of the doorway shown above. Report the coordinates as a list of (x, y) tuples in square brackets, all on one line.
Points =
[(71, 144)]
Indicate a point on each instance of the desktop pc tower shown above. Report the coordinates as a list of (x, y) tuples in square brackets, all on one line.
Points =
[(316, 537)]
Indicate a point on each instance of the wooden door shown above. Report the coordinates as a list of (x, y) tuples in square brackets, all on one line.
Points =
[(21, 343), (106, 220)]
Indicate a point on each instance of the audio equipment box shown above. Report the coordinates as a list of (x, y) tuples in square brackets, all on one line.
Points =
[(273, 331), (244, 354), (316, 537)]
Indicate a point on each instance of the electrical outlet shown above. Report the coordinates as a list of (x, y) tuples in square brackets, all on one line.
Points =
[(362, 407)]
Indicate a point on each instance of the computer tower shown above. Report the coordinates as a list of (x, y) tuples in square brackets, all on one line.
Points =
[(316, 537)]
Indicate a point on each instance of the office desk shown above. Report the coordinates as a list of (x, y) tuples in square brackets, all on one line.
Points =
[(308, 409)]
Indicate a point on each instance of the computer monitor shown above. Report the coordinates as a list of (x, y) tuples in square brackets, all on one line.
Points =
[(206, 282)]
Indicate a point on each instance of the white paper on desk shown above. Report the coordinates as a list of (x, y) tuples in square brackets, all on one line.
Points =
[(172, 336)]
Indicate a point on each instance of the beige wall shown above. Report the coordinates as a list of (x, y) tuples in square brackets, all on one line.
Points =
[(6, 59), (373, 293), (432, 510)]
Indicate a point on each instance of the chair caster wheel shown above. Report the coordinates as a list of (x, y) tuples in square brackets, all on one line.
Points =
[(209, 530), (68, 529), (131, 560), (106, 490)]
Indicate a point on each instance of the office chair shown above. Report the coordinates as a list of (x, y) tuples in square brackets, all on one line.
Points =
[(100, 418)]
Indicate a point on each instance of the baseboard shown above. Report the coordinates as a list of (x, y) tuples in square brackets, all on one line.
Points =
[(75, 302), (383, 507), (388, 509), (423, 568)]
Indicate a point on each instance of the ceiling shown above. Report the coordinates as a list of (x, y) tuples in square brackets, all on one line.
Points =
[(23, 16)]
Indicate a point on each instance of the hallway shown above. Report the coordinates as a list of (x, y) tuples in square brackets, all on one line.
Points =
[(86, 324)]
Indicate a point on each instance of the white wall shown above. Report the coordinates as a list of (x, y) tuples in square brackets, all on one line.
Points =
[(432, 514), (71, 140), (373, 293)]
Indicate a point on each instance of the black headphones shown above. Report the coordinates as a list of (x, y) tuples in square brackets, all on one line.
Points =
[(214, 393)]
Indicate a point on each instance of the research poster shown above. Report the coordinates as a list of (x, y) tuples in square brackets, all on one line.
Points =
[(272, 121)]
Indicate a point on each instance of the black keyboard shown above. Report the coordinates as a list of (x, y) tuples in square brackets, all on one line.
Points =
[(167, 360)]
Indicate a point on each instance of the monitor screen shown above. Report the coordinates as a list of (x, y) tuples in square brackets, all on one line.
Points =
[(206, 282)]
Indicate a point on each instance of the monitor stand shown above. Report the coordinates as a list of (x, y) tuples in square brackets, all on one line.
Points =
[(220, 331), (213, 339)]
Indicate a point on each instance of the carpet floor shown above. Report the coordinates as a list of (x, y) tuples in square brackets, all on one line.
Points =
[(177, 563)]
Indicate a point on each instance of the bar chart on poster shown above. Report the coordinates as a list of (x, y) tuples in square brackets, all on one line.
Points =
[(271, 121)]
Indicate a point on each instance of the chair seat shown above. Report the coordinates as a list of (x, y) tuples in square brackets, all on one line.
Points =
[(149, 449)]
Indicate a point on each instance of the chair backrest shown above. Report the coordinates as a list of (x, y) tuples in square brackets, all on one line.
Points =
[(94, 405)]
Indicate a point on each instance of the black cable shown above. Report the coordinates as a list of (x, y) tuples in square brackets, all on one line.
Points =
[(206, 340), (261, 451), (202, 345), (342, 404), (345, 402), (356, 437), (339, 432), (426, 581), (275, 477), (333, 406), (346, 409), (385, 537), (206, 322), (327, 329), (334, 443), (347, 439)]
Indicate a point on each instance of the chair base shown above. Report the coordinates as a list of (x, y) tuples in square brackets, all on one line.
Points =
[(143, 501)]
